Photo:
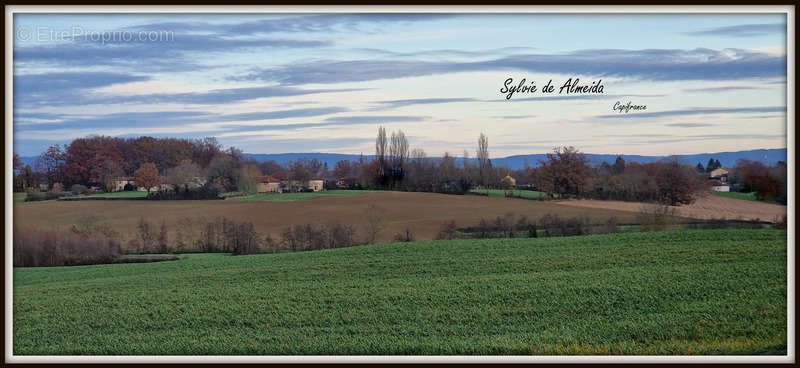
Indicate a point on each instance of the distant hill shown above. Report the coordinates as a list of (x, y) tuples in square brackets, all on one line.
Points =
[(728, 159)]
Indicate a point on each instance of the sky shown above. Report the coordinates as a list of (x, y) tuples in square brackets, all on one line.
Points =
[(279, 83)]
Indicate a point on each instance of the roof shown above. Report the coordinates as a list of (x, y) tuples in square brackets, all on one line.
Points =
[(267, 179)]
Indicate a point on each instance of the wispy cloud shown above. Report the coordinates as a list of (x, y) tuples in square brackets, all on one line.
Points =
[(373, 119), (694, 111), (690, 125), (743, 30), (424, 101), (723, 89), (651, 64)]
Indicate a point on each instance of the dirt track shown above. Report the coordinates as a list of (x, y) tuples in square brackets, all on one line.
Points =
[(422, 212), (707, 207)]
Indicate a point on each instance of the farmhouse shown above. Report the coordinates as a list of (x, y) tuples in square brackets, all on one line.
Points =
[(315, 185), (268, 184), (120, 182), (719, 186), (720, 174)]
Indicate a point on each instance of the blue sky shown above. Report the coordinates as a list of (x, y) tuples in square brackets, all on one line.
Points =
[(272, 83)]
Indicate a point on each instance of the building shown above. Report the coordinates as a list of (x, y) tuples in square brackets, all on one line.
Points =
[(316, 185), (268, 184), (719, 186), (720, 174), (119, 183)]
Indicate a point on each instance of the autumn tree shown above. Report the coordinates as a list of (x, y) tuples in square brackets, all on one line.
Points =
[(565, 171), (677, 184), (147, 176)]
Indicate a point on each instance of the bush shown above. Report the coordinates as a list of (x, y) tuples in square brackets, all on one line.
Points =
[(78, 189), (207, 191), (128, 187), (611, 226), (780, 222), (314, 237), (404, 236), (655, 217), (34, 248), (449, 231), (41, 196)]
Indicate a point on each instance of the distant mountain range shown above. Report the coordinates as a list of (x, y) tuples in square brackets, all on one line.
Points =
[(728, 159)]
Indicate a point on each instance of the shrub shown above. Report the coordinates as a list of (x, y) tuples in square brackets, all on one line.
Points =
[(128, 187), (33, 247), (207, 191), (41, 196), (780, 222), (314, 237), (404, 236), (58, 188), (449, 231), (78, 189), (654, 217), (611, 225), (374, 219)]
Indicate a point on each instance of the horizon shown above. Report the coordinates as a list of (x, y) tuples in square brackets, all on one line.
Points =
[(271, 83)]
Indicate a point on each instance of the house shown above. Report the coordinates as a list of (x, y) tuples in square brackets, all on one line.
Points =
[(288, 186), (268, 184), (316, 185), (719, 186), (120, 182), (720, 174)]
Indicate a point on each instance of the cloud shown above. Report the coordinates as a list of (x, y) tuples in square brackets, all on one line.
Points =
[(650, 64), (295, 113), (74, 88), (512, 117), (690, 125), (48, 83), (424, 101), (743, 30), (373, 119), (695, 111), (185, 52), (315, 23), (722, 89)]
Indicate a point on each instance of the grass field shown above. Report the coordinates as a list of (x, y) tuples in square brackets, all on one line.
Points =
[(292, 197), (527, 194), (737, 195), (679, 292), (127, 194)]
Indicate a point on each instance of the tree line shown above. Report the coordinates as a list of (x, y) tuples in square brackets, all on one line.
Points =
[(565, 172)]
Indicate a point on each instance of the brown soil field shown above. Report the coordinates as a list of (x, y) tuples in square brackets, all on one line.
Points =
[(423, 213), (706, 207)]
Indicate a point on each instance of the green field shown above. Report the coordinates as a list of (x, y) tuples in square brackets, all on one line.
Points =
[(678, 292), (291, 197), (19, 198), (124, 194), (737, 195), (527, 194)]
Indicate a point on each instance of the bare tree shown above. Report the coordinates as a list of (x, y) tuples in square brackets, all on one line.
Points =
[(398, 154), (483, 160), (374, 222), (380, 150)]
